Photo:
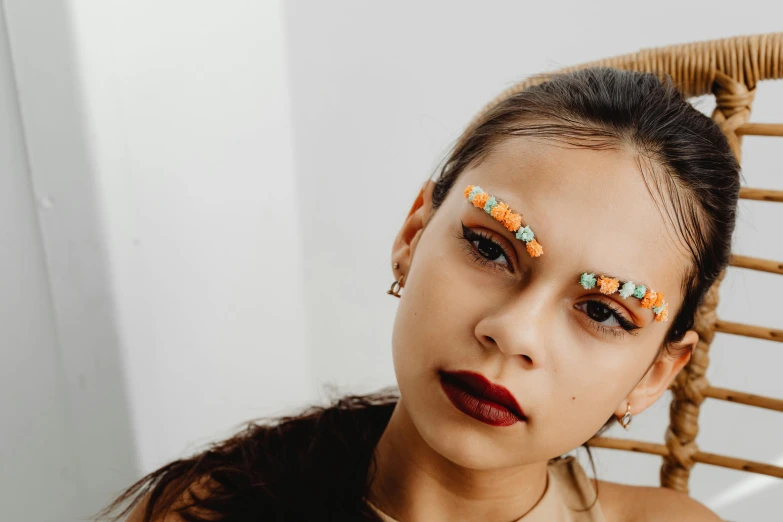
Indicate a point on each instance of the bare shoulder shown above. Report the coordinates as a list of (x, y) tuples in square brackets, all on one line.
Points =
[(623, 503)]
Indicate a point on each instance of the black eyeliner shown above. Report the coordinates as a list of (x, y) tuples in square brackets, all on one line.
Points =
[(627, 325), (470, 235)]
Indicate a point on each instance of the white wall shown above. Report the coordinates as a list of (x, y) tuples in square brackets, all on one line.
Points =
[(160, 151), (200, 167), (190, 117), (68, 409), (37, 437)]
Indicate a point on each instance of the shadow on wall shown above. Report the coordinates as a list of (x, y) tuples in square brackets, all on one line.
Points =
[(69, 422)]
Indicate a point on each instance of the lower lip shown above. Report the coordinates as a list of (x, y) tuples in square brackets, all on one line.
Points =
[(479, 408)]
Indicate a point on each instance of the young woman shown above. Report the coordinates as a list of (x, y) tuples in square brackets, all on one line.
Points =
[(548, 280)]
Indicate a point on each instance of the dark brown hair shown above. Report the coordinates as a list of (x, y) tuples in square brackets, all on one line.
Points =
[(318, 464)]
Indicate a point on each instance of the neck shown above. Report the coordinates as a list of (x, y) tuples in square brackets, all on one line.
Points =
[(414, 482)]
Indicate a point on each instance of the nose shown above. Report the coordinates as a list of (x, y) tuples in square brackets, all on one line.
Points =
[(517, 326)]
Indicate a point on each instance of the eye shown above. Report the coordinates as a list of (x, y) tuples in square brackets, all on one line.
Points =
[(608, 319), (485, 250), (600, 313)]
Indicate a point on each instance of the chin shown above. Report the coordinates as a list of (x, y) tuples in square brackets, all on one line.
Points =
[(458, 438), (470, 449)]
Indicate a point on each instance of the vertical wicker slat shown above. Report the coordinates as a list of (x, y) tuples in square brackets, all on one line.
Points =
[(730, 69), (733, 103), (687, 397)]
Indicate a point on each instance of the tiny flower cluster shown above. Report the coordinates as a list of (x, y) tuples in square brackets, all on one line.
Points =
[(501, 212), (650, 298)]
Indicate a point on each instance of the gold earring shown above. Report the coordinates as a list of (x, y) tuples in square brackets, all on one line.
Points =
[(396, 287), (626, 420)]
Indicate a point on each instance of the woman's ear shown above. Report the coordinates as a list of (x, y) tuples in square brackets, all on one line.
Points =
[(660, 375), (408, 236)]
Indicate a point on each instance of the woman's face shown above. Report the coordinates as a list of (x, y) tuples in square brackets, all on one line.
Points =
[(526, 323)]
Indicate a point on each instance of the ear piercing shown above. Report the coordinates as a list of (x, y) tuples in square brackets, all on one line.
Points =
[(626, 420), (397, 284)]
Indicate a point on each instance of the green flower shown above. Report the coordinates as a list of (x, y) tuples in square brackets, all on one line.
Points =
[(525, 234), (639, 292), (491, 203), (587, 281), (627, 289)]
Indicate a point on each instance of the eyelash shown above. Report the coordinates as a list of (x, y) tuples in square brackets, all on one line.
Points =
[(468, 236), (626, 325)]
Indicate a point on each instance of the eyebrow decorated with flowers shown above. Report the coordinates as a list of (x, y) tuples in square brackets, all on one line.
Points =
[(609, 285), (502, 213)]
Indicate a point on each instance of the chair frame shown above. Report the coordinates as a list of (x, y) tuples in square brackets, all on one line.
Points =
[(729, 69)]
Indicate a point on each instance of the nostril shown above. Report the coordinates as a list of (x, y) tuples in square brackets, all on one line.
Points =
[(528, 359)]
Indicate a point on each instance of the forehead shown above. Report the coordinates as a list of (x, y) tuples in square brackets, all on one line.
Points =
[(589, 208)]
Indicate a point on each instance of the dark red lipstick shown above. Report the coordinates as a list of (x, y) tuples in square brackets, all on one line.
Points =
[(476, 396)]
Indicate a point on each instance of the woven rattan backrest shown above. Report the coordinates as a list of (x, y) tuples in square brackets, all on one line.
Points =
[(729, 69)]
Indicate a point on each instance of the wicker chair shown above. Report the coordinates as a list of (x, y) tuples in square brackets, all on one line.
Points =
[(729, 69)]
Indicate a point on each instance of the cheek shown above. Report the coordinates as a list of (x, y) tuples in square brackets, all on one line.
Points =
[(439, 307), (590, 390)]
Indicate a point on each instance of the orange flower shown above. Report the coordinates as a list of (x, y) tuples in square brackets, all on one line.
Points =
[(500, 211), (467, 190), (533, 248), (512, 221), (480, 200), (648, 301), (664, 315), (658, 300), (608, 285)]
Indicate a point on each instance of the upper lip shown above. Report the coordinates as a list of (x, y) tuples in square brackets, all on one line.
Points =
[(480, 386)]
